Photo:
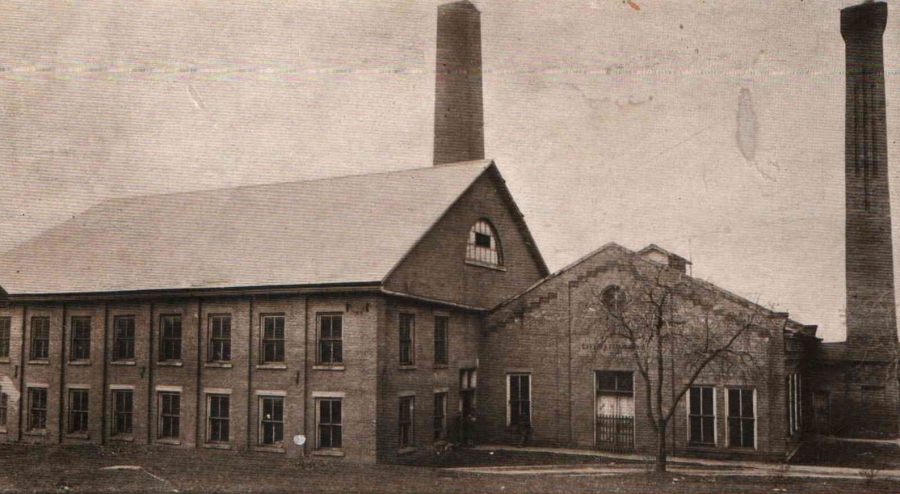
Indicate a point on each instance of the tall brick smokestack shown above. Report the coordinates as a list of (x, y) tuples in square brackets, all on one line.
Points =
[(458, 107), (871, 308)]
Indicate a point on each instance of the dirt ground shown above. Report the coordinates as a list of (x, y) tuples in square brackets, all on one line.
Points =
[(156, 469), (852, 454)]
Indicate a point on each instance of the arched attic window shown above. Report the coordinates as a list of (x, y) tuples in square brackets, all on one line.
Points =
[(484, 244)]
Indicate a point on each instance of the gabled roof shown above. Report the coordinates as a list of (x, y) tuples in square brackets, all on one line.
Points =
[(343, 230), (656, 248)]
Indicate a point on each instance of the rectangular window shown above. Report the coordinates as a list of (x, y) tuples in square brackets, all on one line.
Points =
[(170, 338), (37, 409), (271, 423), (169, 415), (220, 338), (218, 410), (4, 337), (81, 338), (273, 339), (615, 394), (78, 411), (702, 414), (329, 424), (518, 391), (407, 332), (123, 338), (440, 416), (741, 418), (331, 334), (441, 340), (406, 421), (4, 406), (123, 410), (40, 338)]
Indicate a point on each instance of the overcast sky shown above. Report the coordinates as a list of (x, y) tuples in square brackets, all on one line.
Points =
[(714, 129)]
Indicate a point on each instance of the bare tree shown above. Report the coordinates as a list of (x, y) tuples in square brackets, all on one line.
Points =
[(663, 320)]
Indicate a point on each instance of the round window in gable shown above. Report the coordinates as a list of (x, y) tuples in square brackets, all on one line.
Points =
[(614, 299), (484, 244)]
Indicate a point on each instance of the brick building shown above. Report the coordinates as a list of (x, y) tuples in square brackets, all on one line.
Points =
[(372, 316), (546, 347)]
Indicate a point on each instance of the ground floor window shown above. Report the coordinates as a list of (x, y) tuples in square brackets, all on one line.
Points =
[(78, 411), (218, 410), (702, 413), (328, 422), (271, 423), (169, 415), (123, 410), (792, 382), (405, 422), (37, 409), (518, 391), (440, 416), (741, 418), (4, 405)]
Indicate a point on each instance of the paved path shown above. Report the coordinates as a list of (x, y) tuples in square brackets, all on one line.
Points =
[(677, 465)]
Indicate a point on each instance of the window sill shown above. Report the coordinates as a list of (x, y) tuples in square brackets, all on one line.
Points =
[(407, 450), (218, 365), (335, 453), (78, 435), (701, 447), (269, 449), (125, 438), (170, 442), (4, 431), (271, 366), (123, 362), (407, 367), (217, 446), (41, 432), (80, 362), (38, 362), (485, 265), (170, 363), (441, 366), (4, 360), (326, 367)]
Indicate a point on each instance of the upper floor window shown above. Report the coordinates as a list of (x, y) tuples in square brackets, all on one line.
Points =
[(4, 337), (219, 338), (170, 338), (81, 338), (123, 338), (273, 339), (331, 333), (484, 244), (614, 299), (40, 338)]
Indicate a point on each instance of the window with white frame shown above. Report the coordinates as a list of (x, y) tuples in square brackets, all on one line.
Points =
[(218, 418), (406, 421), (484, 244), (741, 418), (123, 412), (170, 338), (794, 411), (441, 340), (331, 336), (518, 392), (123, 338), (78, 411), (615, 394), (81, 338), (406, 336), (37, 409), (169, 426), (40, 338), (271, 420), (440, 416), (4, 336), (219, 338), (273, 338), (702, 415), (329, 423)]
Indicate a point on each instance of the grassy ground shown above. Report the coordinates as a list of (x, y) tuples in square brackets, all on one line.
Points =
[(68, 469), (851, 454)]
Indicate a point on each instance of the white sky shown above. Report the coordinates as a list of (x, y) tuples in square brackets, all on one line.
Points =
[(609, 123)]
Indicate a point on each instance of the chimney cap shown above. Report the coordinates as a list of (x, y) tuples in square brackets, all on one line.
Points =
[(862, 19)]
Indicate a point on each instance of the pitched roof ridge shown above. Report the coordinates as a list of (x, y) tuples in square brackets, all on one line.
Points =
[(484, 162)]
